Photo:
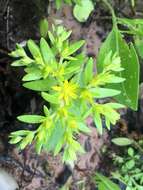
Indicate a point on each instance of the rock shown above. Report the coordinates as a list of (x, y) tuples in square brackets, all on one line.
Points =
[(7, 182)]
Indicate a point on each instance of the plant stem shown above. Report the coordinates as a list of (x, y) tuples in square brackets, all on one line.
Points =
[(114, 20), (112, 12)]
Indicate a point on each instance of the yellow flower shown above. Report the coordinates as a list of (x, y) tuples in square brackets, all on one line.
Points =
[(63, 112), (87, 96), (67, 91), (48, 123), (98, 108), (59, 72), (72, 124), (46, 71), (40, 135), (102, 79)]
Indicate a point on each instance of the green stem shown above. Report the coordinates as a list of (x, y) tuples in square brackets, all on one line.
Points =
[(114, 20), (127, 32), (61, 61), (112, 12)]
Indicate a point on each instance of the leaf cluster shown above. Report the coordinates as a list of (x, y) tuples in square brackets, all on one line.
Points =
[(129, 169)]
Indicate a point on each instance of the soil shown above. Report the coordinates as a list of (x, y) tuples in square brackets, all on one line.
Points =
[(19, 22)]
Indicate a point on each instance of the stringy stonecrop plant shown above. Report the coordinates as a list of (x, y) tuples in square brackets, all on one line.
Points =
[(71, 90)]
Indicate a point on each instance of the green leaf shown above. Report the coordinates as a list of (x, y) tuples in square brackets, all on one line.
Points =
[(135, 25), (18, 63), (98, 122), (132, 74), (80, 59), (40, 85), (131, 152), (46, 111), (115, 105), (58, 147), (105, 183), (88, 73), (139, 46), (38, 146), (35, 51), (110, 115), (103, 92), (69, 71), (27, 140), (22, 62), (122, 141), (19, 133), (65, 35), (117, 80), (83, 128), (74, 66), (107, 122), (130, 164), (32, 76), (72, 48), (52, 98), (51, 37), (129, 61), (56, 137), (82, 11), (15, 140), (43, 25), (31, 118), (46, 51), (19, 52)]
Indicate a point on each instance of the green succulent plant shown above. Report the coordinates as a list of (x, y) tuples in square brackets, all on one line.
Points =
[(66, 79), (71, 90)]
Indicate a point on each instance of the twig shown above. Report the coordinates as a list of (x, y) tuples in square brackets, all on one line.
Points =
[(7, 26)]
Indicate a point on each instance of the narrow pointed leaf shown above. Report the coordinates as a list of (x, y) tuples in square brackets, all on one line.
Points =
[(83, 128), (46, 51), (88, 73), (72, 48), (50, 98), (35, 51), (43, 27), (104, 92), (98, 122), (32, 76), (31, 118), (40, 85), (122, 141)]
